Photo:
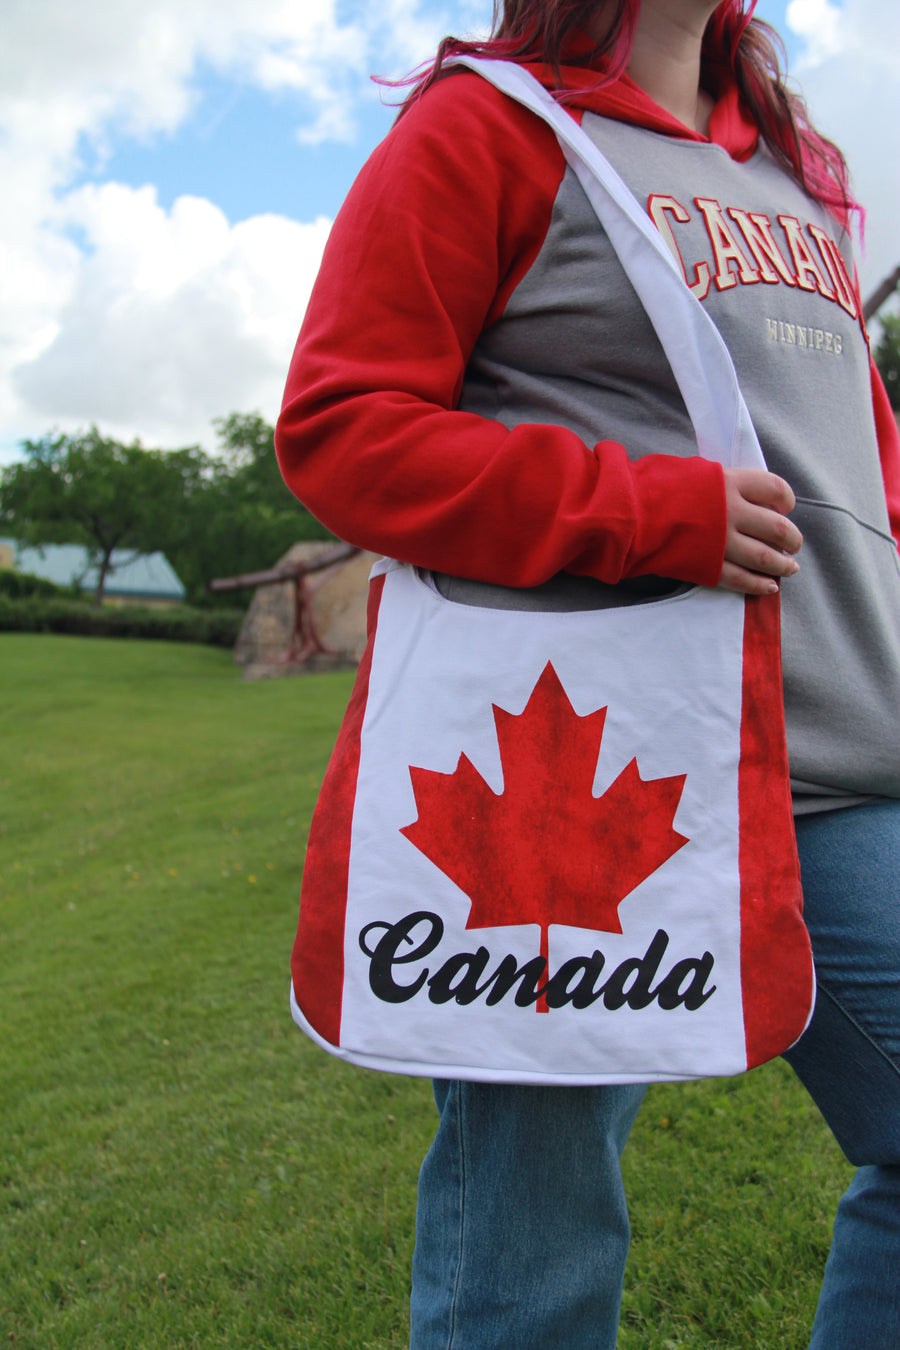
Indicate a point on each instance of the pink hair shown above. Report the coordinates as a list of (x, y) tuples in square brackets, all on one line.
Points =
[(747, 48)]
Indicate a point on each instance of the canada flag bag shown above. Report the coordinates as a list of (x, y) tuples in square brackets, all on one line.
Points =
[(558, 847)]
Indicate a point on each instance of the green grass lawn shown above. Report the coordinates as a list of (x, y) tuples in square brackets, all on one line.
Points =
[(179, 1167)]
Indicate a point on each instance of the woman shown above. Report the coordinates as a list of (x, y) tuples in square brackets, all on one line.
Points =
[(476, 391)]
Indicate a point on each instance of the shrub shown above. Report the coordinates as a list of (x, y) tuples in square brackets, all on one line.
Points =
[(22, 586), (41, 613)]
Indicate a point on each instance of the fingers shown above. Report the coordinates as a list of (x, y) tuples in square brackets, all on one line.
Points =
[(760, 540), (735, 578), (762, 488)]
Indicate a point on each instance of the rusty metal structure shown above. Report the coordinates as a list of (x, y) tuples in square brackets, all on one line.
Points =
[(881, 293), (305, 639)]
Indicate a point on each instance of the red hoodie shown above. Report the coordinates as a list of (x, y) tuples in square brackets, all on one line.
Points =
[(444, 222)]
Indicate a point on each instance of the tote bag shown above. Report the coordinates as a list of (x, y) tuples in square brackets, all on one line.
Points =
[(558, 847)]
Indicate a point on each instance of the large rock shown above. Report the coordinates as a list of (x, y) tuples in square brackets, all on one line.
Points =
[(338, 601)]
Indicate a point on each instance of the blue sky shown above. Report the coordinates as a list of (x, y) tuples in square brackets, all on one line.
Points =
[(239, 146), (171, 172)]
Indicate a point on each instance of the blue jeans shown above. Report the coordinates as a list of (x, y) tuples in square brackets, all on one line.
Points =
[(522, 1227)]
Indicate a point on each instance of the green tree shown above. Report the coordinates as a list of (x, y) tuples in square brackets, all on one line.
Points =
[(246, 456), (887, 356), (211, 515), (87, 489), (246, 518)]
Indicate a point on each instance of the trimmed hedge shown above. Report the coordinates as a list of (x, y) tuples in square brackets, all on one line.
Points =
[(178, 623), (22, 586)]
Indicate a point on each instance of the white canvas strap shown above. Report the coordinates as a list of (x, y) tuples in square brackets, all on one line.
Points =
[(699, 359)]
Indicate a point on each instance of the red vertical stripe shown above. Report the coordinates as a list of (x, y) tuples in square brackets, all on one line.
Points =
[(776, 962), (317, 963)]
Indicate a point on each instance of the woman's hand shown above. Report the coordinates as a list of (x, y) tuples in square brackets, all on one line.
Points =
[(759, 539)]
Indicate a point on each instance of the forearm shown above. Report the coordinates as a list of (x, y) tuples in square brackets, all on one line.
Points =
[(422, 259)]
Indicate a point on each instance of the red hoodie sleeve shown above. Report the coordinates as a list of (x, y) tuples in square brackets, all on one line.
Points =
[(888, 449), (446, 217)]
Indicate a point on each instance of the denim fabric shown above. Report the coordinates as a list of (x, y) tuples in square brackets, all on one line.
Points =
[(849, 1060), (522, 1229)]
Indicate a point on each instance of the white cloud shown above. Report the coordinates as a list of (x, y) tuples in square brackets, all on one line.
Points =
[(174, 317), (850, 73), (153, 321), (112, 309), (818, 22)]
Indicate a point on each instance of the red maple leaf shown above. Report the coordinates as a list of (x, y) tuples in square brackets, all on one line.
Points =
[(546, 850)]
